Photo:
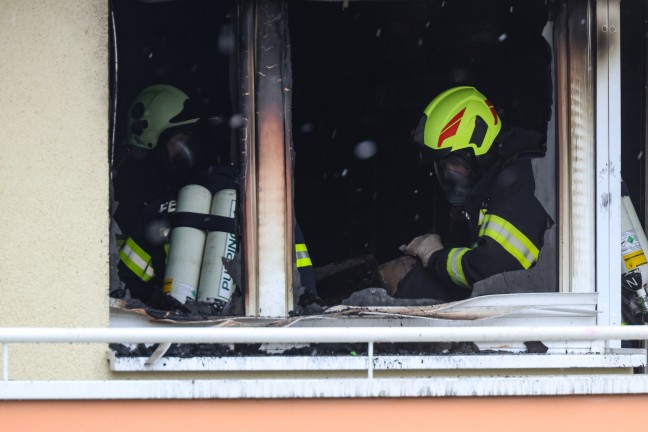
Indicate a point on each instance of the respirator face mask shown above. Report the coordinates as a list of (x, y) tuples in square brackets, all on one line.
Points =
[(457, 174)]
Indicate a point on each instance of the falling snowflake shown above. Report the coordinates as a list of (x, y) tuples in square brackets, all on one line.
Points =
[(365, 150), (307, 128), (226, 42), (236, 121)]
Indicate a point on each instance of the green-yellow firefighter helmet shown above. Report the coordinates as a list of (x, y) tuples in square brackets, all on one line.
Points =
[(155, 109), (459, 118)]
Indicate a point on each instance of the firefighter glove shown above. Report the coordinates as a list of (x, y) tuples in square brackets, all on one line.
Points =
[(423, 247)]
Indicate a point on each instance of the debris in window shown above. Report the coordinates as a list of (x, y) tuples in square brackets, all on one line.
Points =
[(536, 347), (376, 303)]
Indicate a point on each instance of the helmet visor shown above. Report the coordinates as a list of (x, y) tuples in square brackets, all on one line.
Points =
[(456, 175)]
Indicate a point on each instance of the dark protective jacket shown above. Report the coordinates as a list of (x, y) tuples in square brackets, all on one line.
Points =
[(143, 252), (507, 234)]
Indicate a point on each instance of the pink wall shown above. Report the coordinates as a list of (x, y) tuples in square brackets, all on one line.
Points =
[(520, 414)]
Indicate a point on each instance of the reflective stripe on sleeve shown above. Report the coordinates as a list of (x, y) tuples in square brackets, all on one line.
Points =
[(482, 214), (136, 259), (301, 252), (454, 267), (511, 239)]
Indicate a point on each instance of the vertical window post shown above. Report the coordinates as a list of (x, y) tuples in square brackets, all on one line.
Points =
[(608, 162), (274, 183), (247, 64), (575, 117)]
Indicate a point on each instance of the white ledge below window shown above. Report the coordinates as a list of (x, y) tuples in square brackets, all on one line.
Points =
[(556, 385), (617, 359)]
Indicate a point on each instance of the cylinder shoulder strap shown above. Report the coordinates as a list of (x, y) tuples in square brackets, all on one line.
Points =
[(203, 222)]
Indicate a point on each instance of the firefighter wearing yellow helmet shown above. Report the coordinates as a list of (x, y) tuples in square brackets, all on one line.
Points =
[(176, 236), (485, 172)]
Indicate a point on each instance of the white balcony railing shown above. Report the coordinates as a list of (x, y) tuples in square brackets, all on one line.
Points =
[(348, 387)]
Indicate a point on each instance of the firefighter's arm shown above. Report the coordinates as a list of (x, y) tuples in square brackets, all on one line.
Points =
[(136, 271), (463, 267)]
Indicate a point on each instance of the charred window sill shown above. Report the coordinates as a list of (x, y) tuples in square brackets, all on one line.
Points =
[(618, 359)]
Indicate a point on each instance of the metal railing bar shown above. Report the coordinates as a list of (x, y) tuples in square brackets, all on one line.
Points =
[(319, 334)]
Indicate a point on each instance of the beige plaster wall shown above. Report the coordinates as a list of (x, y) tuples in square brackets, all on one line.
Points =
[(54, 179)]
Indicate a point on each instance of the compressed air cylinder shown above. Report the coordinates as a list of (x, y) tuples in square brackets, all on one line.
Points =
[(215, 282), (186, 246), (633, 240), (634, 267)]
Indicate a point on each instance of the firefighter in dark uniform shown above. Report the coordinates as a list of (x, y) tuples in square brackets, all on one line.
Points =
[(485, 172), (170, 147)]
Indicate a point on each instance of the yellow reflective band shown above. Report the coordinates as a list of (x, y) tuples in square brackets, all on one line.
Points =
[(482, 214), (137, 260), (304, 262), (455, 268), (511, 239), (300, 247), (303, 259), (301, 252)]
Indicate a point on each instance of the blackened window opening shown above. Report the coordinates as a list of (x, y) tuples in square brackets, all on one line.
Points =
[(362, 77), (633, 101), (188, 45)]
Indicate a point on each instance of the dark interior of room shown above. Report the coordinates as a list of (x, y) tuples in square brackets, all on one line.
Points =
[(185, 44), (362, 77), (633, 101)]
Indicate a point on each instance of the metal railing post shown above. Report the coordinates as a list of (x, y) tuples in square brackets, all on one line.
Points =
[(5, 362), (370, 360)]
